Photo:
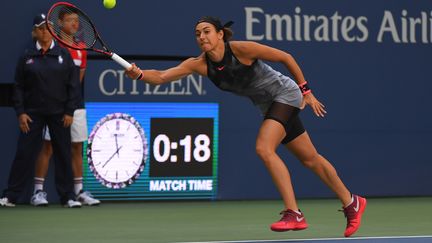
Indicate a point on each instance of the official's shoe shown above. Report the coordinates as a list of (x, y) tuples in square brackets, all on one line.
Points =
[(72, 204), (86, 198), (39, 198), (353, 213), (4, 202), (290, 220)]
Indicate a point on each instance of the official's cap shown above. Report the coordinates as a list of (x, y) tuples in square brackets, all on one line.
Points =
[(39, 20)]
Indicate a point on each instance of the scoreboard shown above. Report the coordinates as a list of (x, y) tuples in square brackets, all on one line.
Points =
[(148, 151)]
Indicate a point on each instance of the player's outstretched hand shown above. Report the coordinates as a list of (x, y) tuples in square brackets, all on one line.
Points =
[(317, 107), (133, 72)]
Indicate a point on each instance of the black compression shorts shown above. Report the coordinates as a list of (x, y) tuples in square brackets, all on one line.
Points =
[(288, 116)]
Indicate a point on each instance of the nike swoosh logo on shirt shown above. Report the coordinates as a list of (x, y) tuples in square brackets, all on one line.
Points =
[(220, 68)]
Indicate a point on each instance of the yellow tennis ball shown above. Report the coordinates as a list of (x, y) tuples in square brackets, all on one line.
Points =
[(109, 4)]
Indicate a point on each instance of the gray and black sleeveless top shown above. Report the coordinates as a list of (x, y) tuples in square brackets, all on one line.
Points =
[(259, 81)]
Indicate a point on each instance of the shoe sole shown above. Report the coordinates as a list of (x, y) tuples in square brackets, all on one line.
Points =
[(7, 205), (294, 229), (284, 230), (66, 206), (89, 204), (40, 205), (92, 205), (361, 211)]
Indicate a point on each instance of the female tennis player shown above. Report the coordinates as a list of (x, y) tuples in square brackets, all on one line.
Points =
[(238, 67)]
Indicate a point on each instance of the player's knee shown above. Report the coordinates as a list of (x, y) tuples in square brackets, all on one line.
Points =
[(311, 161), (264, 151)]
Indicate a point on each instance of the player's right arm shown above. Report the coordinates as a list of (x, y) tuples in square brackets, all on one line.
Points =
[(156, 77)]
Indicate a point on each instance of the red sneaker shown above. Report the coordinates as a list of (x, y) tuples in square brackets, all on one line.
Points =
[(290, 221), (353, 213)]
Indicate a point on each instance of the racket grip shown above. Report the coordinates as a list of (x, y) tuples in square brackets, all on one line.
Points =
[(121, 61)]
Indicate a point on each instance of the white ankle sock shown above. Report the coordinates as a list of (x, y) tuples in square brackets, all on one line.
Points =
[(38, 184), (352, 200), (78, 186)]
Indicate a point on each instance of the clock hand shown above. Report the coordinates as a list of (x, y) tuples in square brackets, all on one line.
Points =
[(116, 152), (117, 147)]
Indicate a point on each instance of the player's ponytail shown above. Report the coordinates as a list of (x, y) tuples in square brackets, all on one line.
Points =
[(228, 33)]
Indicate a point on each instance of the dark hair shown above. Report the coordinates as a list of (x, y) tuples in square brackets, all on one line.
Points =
[(66, 10), (226, 28)]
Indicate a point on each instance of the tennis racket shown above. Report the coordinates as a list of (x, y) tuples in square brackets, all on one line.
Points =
[(86, 36)]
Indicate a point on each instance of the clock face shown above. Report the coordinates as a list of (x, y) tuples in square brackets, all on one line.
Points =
[(117, 150)]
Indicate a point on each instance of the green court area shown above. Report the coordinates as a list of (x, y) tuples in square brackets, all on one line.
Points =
[(206, 221)]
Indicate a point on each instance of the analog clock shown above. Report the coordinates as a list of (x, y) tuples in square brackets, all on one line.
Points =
[(117, 150)]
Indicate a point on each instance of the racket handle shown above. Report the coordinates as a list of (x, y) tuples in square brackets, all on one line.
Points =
[(121, 61)]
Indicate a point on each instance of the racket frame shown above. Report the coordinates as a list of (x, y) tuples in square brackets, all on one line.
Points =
[(106, 50)]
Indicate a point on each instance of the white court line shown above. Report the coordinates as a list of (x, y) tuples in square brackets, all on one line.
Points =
[(316, 239)]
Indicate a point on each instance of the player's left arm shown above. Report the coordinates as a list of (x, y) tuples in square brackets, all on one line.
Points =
[(253, 50)]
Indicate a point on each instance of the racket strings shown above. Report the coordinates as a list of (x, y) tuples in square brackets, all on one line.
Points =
[(79, 35)]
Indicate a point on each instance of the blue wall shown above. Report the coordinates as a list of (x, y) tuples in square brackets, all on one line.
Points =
[(370, 66)]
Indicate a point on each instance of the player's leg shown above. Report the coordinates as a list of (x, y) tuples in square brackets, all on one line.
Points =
[(77, 165), (42, 161), (85, 197), (39, 197), (353, 205), (78, 136), (305, 151), (270, 135)]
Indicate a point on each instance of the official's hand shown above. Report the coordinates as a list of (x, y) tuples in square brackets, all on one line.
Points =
[(317, 107), (133, 72), (67, 120), (24, 121)]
